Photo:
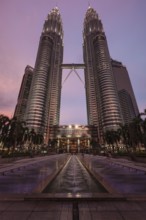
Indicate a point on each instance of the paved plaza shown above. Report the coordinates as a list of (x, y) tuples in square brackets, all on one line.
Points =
[(120, 176), (21, 183), (46, 210)]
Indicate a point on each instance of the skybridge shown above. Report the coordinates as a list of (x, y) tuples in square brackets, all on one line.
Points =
[(73, 68)]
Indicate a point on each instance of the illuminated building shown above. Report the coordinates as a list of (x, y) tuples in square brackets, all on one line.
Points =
[(44, 99), (103, 108)]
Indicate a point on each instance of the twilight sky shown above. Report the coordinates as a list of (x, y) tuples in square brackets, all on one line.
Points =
[(21, 23)]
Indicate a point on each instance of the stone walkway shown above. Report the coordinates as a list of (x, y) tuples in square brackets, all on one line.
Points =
[(117, 175), (126, 200), (30, 174), (81, 210)]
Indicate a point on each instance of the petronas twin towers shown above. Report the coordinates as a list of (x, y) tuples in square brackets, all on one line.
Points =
[(45, 95), (43, 107)]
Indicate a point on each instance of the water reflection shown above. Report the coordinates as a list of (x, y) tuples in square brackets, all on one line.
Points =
[(74, 178)]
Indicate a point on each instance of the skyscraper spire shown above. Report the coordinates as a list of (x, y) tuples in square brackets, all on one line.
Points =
[(56, 3)]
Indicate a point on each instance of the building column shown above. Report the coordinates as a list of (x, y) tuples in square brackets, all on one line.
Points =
[(78, 145), (68, 147)]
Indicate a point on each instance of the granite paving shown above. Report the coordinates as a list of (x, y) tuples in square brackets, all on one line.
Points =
[(125, 180)]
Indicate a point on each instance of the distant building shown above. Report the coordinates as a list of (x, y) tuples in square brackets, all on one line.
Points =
[(73, 138), (22, 101), (126, 95)]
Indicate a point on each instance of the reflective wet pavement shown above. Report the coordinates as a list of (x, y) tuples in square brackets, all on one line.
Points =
[(26, 175), (127, 205), (117, 175), (121, 175)]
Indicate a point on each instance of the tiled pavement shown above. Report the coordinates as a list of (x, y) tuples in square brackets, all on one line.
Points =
[(117, 175), (29, 174), (36, 210), (90, 210), (103, 207)]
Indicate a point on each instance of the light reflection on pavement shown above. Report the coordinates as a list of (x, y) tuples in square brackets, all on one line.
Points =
[(27, 173)]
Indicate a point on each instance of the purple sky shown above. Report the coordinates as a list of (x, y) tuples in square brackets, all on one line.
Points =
[(21, 23)]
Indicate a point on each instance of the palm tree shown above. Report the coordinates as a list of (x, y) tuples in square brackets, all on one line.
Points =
[(135, 131), (111, 137), (32, 135), (143, 127), (16, 132), (125, 136), (4, 129), (144, 132)]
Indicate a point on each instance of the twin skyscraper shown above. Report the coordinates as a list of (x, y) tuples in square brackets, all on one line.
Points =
[(109, 94)]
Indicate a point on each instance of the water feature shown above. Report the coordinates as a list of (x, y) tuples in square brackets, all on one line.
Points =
[(74, 178), (25, 175)]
